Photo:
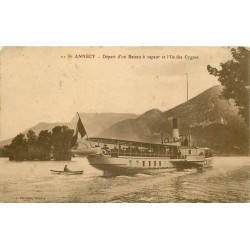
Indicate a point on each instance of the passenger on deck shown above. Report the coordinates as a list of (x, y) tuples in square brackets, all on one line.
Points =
[(105, 149), (179, 154), (133, 150), (115, 149), (124, 150), (114, 152), (185, 143), (136, 150), (128, 150), (146, 151)]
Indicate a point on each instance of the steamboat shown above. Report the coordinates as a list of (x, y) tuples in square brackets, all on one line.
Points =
[(119, 157), (125, 157)]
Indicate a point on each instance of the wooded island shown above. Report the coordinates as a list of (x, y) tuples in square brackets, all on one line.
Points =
[(54, 145)]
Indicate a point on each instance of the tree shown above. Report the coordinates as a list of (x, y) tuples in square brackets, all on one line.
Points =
[(234, 77), (31, 147), (44, 145), (18, 148), (61, 142), (4, 152), (32, 153), (31, 138)]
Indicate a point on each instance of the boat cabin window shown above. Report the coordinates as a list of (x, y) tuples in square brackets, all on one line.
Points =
[(149, 163), (159, 163), (155, 163), (189, 151), (143, 163)]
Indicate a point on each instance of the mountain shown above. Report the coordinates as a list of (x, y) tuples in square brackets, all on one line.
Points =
[(94, 123), (212, 122)]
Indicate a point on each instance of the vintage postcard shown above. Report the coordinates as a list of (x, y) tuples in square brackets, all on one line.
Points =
[(124, 124)]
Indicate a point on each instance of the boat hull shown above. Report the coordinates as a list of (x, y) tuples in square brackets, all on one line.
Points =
[(66, 172), (142, 165)]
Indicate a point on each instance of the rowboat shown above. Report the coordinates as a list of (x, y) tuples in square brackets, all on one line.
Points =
[(66, 172)]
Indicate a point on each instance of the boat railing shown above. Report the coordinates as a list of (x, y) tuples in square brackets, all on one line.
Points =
[(115, 153)]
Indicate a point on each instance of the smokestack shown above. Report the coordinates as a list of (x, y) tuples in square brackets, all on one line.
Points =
[(175, 130)]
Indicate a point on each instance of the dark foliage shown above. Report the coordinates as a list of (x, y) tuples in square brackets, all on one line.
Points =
[(18, 148), (234, 77), (4, 152), (46, 146), (61, 142)]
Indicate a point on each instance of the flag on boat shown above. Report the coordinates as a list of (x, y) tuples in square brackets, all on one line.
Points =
[(79, 128)]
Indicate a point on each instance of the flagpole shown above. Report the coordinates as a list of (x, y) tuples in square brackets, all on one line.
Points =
[(189, 141), (86, 131)]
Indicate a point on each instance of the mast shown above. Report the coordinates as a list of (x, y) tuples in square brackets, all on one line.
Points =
[(85, 131), (189, 142)]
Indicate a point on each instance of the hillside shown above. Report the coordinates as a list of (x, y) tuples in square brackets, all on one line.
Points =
[(93, 122), (213, 123)]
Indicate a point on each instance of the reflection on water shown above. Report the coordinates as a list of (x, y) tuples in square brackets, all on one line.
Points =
[(226, 181)]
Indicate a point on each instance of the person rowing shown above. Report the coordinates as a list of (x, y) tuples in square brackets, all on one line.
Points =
[(66, 169)]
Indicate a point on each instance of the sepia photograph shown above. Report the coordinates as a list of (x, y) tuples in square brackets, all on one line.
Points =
[(124, 124)]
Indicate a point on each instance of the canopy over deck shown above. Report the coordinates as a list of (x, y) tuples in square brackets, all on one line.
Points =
[(125, 142)]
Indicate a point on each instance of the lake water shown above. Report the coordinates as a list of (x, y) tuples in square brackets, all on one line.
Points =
[(227, 181)]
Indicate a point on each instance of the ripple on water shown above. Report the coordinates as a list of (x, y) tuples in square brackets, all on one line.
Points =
[(227, 181)]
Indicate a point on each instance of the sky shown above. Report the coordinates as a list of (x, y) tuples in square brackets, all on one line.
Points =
[(51, 84)]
